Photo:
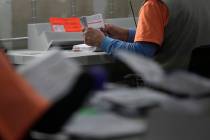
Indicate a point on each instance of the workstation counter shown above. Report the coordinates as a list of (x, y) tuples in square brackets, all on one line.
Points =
[(20, 57)]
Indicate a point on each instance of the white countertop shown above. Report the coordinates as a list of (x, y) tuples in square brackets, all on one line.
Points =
[(19, 57)]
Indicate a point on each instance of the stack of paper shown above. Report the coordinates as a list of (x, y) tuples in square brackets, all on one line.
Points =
[(83, 47)]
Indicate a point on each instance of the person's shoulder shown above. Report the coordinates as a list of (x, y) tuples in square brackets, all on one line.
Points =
[(154, 3)]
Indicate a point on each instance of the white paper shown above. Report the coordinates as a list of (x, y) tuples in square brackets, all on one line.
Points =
[(83, 47), (105, 126), (128, 100), (144, 67), (52, 74), (179, 82), (93, 21)]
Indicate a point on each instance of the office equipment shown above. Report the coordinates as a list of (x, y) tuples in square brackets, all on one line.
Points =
[(41, 37)]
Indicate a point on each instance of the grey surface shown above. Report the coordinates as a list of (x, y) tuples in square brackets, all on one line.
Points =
[(20, 57), (164, 125), (105, 126)]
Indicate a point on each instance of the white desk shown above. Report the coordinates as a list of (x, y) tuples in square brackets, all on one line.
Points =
[(19, 57)]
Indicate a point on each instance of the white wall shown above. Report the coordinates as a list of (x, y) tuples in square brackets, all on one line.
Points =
[(99, 6), (5, 20)]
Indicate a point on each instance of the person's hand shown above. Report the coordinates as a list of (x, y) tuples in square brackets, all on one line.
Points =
[(93, 37), (116, 32)]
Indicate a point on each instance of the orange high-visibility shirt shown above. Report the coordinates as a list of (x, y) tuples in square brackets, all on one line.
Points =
[(20, 105), (153, 18)]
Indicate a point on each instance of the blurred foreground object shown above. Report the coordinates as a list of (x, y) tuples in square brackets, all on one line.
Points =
[(20, 105)]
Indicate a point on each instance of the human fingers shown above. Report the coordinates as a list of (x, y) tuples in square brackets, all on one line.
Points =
[(89, 35)]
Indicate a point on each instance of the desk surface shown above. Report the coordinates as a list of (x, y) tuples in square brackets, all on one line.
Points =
[(19, 57)]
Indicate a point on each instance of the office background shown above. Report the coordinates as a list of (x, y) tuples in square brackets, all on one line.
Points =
[(16, 14)]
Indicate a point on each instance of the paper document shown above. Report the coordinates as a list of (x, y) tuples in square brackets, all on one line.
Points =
[(93, 21), (127, 98), (71, 24), (52, 74), (130, 102), (83, 47), (105, 126), (180, 83)]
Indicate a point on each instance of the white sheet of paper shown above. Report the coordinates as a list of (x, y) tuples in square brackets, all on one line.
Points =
[(94, 21), (52, 74), (83, 47), (179, 82)]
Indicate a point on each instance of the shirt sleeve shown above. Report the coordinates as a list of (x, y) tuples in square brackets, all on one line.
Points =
[(131, 35), (151, 24), (110, 45)]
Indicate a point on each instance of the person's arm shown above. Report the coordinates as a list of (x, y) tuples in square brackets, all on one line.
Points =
[(110, 45), (131, 35)]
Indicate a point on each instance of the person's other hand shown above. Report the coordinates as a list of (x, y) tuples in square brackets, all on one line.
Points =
[(116, 32), (93, 37)]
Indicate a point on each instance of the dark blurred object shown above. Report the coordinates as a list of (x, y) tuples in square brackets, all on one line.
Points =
[(54, 119), (120, 73), (2, 48), (61, 111), (117, 71), (200, 61), (133, 80)]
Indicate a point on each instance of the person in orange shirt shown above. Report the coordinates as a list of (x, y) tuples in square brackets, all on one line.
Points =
[(167, 30), (146, 39)]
